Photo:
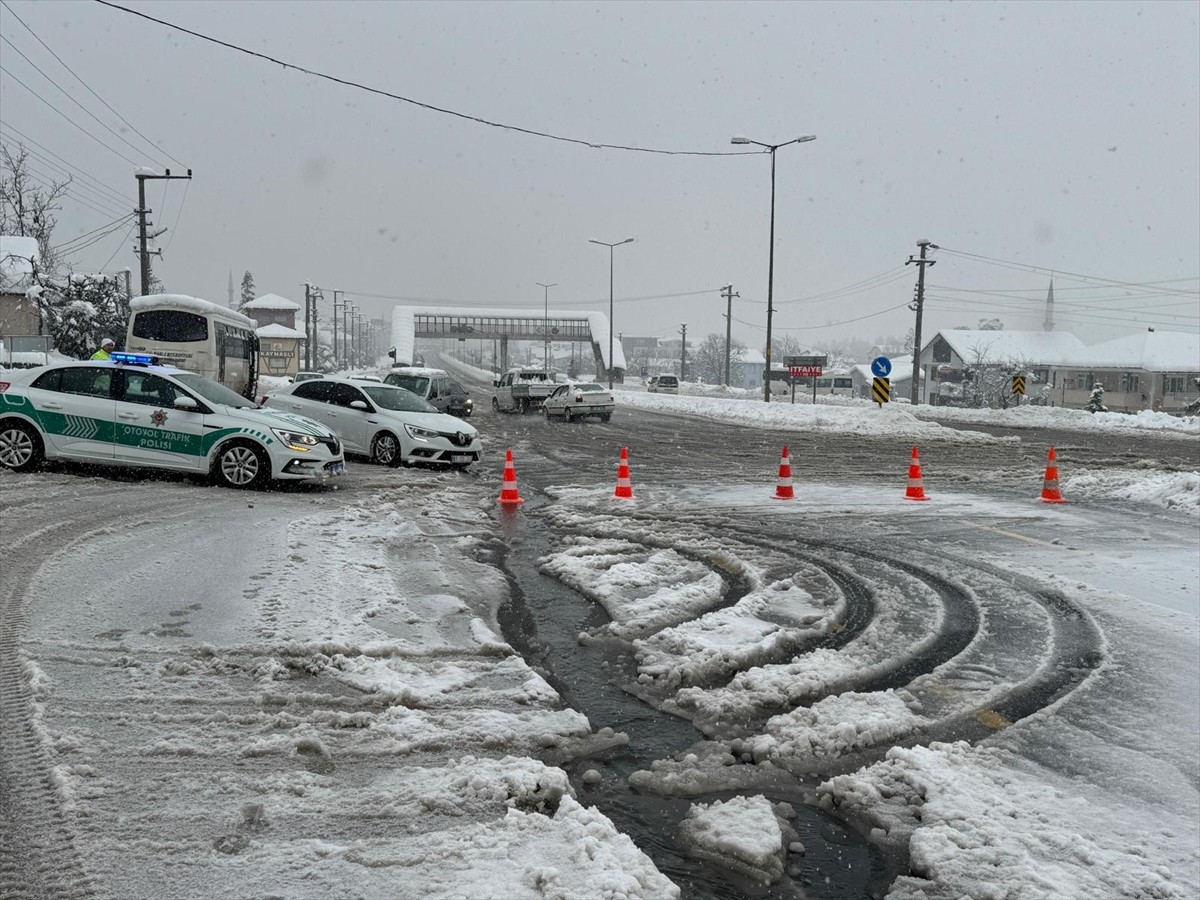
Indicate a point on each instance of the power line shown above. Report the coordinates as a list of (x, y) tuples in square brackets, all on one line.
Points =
[(179, 215), (95, 200), (438, 109), (64, 92), (23, 138), (76, 250), (124, 238), (1048, 271), (86, 85), (93, 231), (48, 184), (65, 116), (827, 325)]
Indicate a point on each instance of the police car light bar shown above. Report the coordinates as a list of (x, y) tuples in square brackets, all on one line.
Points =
[(137, 359)]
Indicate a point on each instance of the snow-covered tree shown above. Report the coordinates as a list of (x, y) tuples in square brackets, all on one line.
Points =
[(247, 290), (1193, 408), (81, 310), (1095, 402), (707, 359), (27, 208)]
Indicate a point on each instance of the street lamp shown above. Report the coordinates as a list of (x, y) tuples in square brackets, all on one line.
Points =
[(610, 301), (771, 148), (546, 324)]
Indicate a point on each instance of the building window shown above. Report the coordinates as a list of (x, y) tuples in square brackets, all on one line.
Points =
[(1174, 384), (1130, 383)]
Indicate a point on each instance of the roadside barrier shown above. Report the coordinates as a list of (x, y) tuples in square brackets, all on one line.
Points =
[(916, 484), (624, 489), (509, 496), (784, 491), (1050, 492)]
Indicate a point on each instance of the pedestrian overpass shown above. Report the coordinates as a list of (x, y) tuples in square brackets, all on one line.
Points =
[(502, 326)]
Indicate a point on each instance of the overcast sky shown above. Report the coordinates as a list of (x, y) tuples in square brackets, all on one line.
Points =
[(1054, 135)]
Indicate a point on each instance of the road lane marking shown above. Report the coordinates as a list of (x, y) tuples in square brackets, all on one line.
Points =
[(1011, 534)]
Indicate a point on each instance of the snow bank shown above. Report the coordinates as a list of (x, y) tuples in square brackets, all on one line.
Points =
[(744, 834)]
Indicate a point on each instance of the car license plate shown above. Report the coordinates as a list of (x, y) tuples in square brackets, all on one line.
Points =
[(337, 468), (461, 458)]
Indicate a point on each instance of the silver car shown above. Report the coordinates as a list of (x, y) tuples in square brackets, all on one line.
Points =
[(577, 400), (389, 424)]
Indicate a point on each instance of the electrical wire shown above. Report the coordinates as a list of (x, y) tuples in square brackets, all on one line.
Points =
[(97, 201), (1008, 264), (86, 85), (93, 231), (65, 116), (77, 249), (429, 106), (64, 92), (49, 184), (119, 246), (777, 327), (171, 234), (69, 168)]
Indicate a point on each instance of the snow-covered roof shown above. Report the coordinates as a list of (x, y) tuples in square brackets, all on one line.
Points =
[(271, 301), (17, 254), (404, 338), (1150, 351), (279, 331), (194, 304), (1051, 348)]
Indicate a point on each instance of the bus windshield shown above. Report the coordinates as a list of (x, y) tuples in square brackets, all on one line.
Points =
[(173, 326)]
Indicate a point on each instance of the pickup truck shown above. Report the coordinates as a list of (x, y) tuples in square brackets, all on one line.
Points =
[(520, 390)]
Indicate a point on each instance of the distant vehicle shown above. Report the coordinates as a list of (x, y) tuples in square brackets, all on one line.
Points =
[(663, 384), (520, 390), (392, 426), (198, 336), (374, 378), (435, 386), (578, 400), (131, 412), (306, 376)]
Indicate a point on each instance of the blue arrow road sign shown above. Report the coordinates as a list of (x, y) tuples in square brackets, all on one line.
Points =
[(881, 367)]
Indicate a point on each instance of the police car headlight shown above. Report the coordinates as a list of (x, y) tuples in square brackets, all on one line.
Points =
[(295, 440), (422, 433)]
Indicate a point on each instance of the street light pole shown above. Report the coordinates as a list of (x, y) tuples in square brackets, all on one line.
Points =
[(771, 148), (610, 301), (546, 324)]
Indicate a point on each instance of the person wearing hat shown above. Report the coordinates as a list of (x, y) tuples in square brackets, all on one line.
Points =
[(106, 347)]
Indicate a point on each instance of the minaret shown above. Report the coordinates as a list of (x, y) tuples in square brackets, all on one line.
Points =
[(1048, 324), (231, 306)]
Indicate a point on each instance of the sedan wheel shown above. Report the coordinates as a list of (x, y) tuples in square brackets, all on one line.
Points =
[(386, 451), (20, 447), (242, 465)]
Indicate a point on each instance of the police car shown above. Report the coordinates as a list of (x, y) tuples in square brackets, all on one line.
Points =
[(131, 411)]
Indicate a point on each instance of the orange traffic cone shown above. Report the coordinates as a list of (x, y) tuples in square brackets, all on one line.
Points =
[(624, 488), (783, 491), (509, 495), (1050, 492), (916, 484)]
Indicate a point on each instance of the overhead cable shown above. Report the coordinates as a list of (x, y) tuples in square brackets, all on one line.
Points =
[(595, 145), (89, 88)]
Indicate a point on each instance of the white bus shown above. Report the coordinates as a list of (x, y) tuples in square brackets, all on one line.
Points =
[(193, 334)]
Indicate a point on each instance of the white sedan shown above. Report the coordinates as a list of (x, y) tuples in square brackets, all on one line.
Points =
[(577, 400), (393, 426)]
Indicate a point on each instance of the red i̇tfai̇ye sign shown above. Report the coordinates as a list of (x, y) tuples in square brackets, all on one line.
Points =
[(804, 371)]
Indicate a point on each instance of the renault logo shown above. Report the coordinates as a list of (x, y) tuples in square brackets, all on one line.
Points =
[(461, 437)]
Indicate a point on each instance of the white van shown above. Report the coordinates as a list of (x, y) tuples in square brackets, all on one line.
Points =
[(663, 384)]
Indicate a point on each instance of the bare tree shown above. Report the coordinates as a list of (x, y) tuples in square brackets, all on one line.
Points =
[(27, 206), (707, 359)]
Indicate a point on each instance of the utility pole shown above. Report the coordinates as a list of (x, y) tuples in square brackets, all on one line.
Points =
[(918, 306), (728, 294), (142, 212), (335, 325), (683, 354), (308, 330)]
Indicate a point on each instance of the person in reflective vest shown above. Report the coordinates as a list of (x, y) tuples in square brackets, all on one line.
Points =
[(106, 347)]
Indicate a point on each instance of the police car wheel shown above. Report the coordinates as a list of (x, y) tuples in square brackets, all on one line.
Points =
[(385, 450), (241, 464), (20, 447)]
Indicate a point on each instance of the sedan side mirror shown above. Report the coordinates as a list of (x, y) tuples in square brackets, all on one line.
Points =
[(187, 403), (495, 384), (360, 405)]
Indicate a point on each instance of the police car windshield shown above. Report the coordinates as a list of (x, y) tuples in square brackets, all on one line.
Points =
[(213, 392), (396, 399)]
